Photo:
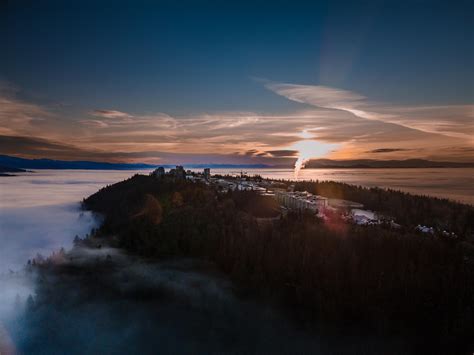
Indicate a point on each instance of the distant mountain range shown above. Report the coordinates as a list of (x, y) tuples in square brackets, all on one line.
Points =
[(9, 164), (8, 169), (22, 163), (378, 164), (12, 163)]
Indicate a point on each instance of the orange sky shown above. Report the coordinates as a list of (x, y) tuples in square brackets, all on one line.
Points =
[(331, 123)]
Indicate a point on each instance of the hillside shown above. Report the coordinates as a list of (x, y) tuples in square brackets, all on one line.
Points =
[(327, 274)]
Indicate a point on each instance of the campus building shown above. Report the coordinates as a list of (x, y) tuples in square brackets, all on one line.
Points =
[(301, 200)]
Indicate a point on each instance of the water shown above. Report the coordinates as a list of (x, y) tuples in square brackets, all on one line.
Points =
[(39, 212)]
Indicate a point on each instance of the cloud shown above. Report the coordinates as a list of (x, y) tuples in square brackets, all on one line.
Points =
[(34, 147), (333, 116), (40, 148), (18, 116), (452, 120), (95, 123), (388, 150), (110, 114), (283, 153), (117, 121), (321, 96)]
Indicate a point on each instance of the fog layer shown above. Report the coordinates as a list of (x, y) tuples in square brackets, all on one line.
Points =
[(40, 211), (98, 301)]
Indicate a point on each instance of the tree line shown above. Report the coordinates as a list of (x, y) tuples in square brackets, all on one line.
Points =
[(330, 274)]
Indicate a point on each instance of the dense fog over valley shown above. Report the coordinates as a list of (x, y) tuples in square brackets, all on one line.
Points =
[(97, 300), (101, 301), (236, 177), (179, 306), (41, 212)]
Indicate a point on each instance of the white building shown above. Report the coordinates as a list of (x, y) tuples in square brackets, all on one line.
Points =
[(301, 200)]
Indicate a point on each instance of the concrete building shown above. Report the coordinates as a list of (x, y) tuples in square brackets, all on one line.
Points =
[(159, 172), (180, 173), (301, 200), (207, 173)]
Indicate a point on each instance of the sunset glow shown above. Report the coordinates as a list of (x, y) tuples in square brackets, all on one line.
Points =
[(237, 177), (240, 95), (310, 149)]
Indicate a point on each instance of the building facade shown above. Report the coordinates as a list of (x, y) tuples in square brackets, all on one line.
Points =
[(301, 200), (159, 172)]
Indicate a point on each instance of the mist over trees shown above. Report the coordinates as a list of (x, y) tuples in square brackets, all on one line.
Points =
[(327, 274)]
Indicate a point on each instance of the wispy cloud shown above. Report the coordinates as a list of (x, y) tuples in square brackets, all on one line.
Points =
[(110, 114), (350, 122), (16, 115), (453, 120), (283, 153), (388, 150)]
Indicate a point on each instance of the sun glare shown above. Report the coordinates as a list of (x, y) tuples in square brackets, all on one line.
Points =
[(308, 149), (306, 135)]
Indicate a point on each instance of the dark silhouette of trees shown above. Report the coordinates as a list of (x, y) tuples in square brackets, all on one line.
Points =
[(407, 209), (331, 273)]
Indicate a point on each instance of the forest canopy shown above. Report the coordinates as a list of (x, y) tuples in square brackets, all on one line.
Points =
[(329, 272)]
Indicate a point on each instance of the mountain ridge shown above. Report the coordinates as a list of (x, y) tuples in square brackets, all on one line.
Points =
[(10, 162), (378, 164), (14, 163)]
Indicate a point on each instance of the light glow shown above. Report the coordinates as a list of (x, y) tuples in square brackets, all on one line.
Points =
[(310, 149)]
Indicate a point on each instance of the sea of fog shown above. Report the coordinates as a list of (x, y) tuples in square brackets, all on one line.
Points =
[(40, 211), (456, 184)]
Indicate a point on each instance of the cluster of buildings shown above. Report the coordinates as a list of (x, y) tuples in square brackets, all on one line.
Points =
[(159, 172), (424, 229), (286, 196), (364, 217), (301, 200), (179, 173), (431, 230), (225, 185)]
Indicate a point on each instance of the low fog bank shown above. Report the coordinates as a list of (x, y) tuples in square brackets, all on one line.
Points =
[(99, 301), (15, 288), (40, 211), (27, 231)]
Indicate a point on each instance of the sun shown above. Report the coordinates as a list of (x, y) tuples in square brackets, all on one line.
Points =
[(308, 149)]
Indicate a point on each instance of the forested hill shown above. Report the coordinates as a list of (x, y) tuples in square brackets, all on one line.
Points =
[(406, 209), (330, 274)]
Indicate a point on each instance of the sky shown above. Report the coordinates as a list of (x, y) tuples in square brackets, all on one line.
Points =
[(237, 82)]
